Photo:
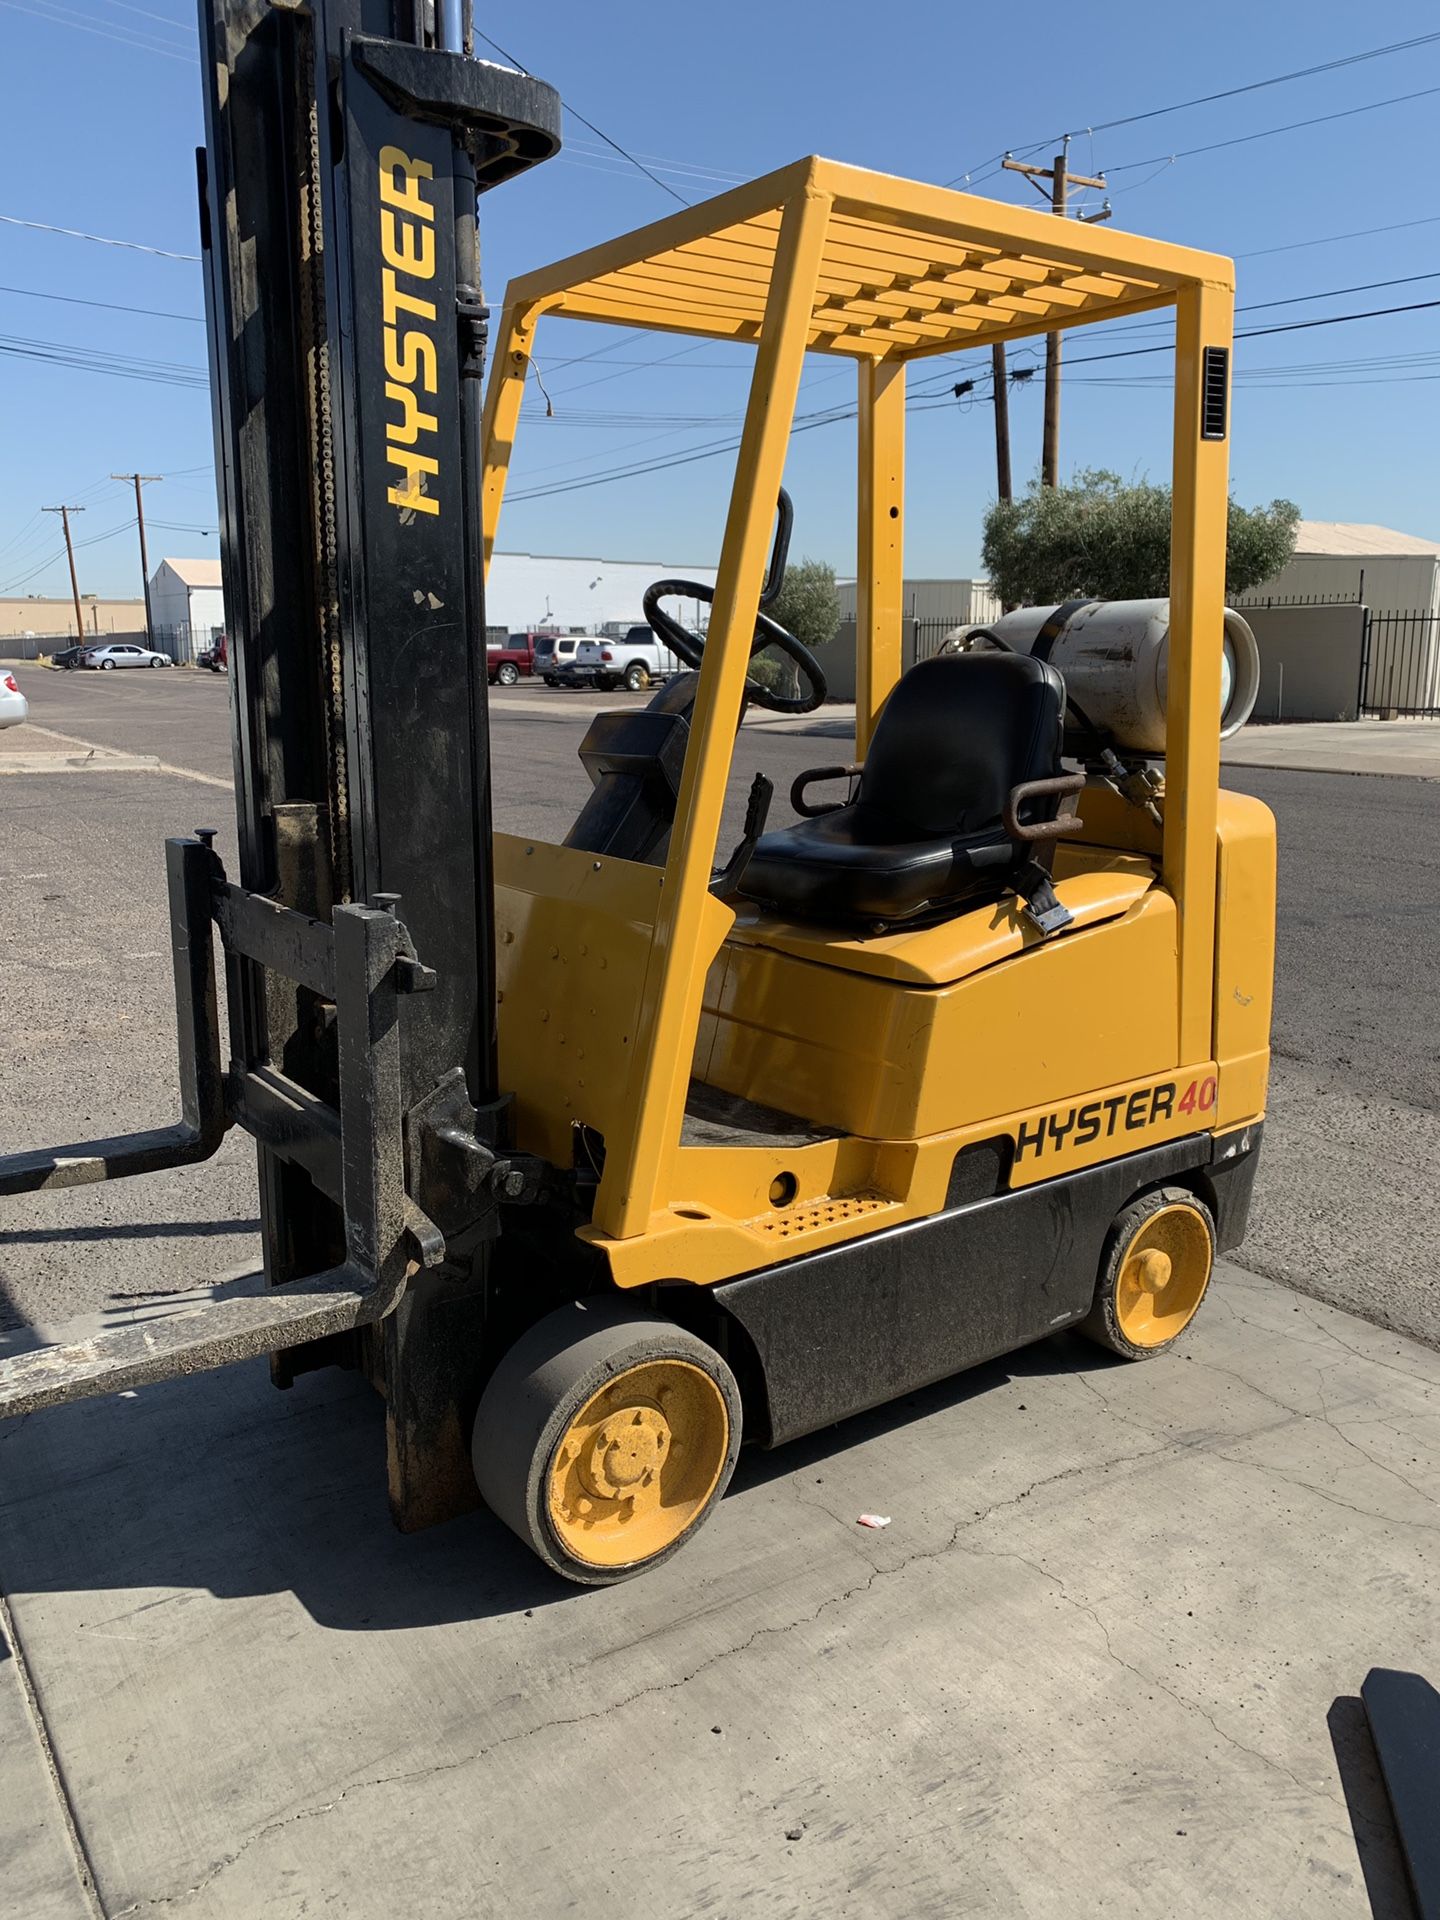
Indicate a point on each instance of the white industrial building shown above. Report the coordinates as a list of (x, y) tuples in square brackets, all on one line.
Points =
[(529, 590), (1377, 567), (186, 603), (523, 590)]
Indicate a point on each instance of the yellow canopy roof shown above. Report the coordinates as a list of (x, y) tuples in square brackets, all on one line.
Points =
[(907, 270)]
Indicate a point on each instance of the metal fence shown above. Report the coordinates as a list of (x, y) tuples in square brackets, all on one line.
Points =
[(1243, 600), (1400, 656), (44, 646), (929, 636), (1400, 667), (184, 642)]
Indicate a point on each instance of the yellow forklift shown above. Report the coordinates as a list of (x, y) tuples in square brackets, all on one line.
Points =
[(599, 1157)]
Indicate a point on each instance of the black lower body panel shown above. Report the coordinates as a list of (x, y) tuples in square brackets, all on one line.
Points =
[(859, 1324)]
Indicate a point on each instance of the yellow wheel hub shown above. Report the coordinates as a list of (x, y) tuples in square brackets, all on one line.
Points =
[(638, 1463), (1163, 1276)]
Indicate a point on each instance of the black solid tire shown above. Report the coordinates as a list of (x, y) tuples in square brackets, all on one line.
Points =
[(542, 1383), (1101, 1324)]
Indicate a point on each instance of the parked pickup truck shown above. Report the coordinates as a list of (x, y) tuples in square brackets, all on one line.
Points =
[(515, 657), (635, 662)]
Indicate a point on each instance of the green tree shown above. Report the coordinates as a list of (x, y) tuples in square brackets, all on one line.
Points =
[(808, 606), (1097, 538)]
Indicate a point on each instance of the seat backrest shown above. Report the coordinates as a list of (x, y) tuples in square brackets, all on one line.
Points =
[(956, 735)]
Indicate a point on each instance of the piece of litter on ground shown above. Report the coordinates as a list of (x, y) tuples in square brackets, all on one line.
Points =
[(873, 1520)]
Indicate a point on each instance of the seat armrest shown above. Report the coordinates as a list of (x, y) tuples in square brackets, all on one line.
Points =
[(1028, 831), (804, 780)]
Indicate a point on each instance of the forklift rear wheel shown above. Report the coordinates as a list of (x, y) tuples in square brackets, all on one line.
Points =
[(1153, 1274), (604, 1439)]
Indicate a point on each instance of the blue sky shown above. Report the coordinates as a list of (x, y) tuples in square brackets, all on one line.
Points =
[(102, 112)]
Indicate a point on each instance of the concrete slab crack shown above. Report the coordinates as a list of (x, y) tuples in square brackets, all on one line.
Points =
[(79, 1854)]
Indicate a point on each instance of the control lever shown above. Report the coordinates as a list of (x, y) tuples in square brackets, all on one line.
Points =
[(757, 812)]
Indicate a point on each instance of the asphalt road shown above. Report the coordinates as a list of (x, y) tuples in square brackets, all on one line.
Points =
[(1343, 1206)]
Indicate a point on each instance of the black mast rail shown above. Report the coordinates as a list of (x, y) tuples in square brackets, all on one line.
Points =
[(345, 150)]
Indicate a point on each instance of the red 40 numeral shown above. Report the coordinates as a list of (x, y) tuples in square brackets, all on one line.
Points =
[(1199, 1093)]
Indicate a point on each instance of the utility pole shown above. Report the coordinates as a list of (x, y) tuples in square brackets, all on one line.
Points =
[(140, 479), (1001, 398), (1060, 177), (65, 513)]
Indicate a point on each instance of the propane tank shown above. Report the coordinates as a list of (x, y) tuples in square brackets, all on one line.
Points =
[(1113, 656)]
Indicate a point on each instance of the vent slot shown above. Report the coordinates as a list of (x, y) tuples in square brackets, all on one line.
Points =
[(1214, 392)]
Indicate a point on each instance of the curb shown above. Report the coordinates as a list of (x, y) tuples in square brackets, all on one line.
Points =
[(79, 763)]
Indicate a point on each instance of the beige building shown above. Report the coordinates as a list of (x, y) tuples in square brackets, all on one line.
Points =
[(1339, 560), (957, 603), (45, 618)]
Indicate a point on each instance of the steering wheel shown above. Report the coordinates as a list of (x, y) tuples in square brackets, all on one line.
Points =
[(768, 632)]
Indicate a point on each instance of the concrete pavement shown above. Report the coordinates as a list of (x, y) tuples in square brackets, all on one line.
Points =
[(130, 713), (1406, 747), (1103, 1660)]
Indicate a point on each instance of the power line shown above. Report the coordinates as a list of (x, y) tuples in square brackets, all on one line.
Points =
[(712, 176), (118, 366), (123, 38), (182, 27), (1328, 239), (599, 132), (42, 566), (1207, 99), (100, 239), (1267, 133), (1253, 306), (921, 403), (1257, 333), (74, 300)]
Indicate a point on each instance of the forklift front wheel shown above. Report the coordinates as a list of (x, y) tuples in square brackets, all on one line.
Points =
[(1153, 1273), (604, 1439)]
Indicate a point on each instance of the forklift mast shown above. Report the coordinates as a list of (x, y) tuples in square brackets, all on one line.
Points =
[(347, 142), (347, 341)]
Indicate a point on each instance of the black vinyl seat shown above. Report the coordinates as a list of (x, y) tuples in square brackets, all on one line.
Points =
[(926, 830)]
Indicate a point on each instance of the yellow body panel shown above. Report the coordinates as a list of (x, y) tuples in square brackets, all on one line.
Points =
[(1095, 886), (1146, 1019), (871, 1056), (852, 1187), (1244, 955)]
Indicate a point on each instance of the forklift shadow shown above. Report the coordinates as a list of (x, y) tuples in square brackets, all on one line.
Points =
[(216, 1483), (1061, 1353)]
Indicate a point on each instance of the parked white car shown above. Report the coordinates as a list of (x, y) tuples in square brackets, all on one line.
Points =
[(636, 662), (121, 653), (554, 656), (14, 707)]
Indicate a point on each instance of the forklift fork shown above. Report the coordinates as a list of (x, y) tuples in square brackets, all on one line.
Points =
[(354, 1152)]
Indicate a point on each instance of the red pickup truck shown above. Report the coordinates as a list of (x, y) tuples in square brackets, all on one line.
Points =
[(515, 656)]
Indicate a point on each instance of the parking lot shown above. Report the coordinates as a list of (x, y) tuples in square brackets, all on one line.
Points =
[(1355, 1085), (1104, 1658)]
